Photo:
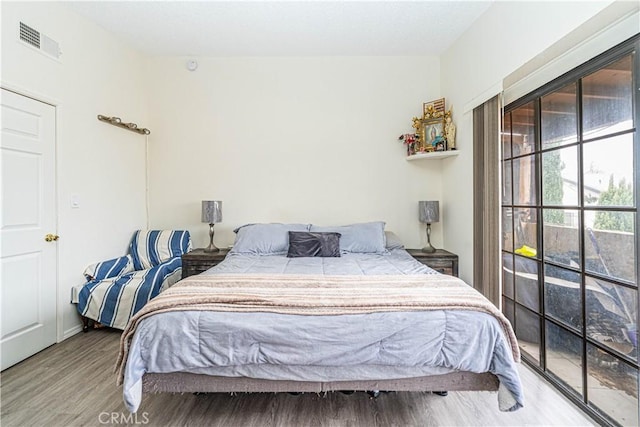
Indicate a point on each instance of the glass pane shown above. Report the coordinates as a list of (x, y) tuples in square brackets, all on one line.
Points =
[(611, 316), (507, 229), (526, 280), (608, 171), (506, 182), (507, 275), (564, 356), (524, 182), (561, 236), (560, 177), (528, 332), (610, 244), (508, 308), (523, 126), (506, 136), (612, 386), (525, 228), (559, 119), (606, 97), (563, 296)]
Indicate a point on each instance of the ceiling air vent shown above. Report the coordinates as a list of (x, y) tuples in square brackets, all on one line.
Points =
[(36, 39)]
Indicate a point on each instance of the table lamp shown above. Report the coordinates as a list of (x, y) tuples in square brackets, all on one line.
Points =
[(211, 214), (429, 211)]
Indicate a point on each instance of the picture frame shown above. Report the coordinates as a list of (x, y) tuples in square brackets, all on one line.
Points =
[(432, 134), (434, 131)]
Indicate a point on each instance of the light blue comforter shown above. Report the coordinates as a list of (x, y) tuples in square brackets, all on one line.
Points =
[(322, 348)]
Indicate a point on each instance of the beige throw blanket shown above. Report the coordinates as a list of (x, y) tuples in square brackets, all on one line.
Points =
[(316, 295)]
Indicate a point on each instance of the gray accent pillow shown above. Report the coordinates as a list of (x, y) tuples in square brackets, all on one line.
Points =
[(366, 237), (264, 239), (308, 244)]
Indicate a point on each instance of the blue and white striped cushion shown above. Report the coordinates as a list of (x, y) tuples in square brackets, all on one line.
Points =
[(152, 247), (113, 302), (110, 268)]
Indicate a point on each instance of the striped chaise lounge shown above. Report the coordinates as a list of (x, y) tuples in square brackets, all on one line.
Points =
[(117, 288)]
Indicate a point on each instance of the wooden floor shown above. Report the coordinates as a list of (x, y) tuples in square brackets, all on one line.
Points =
[(73, 384)]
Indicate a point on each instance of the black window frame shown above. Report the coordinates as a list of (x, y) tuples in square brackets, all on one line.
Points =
[(629, 47)]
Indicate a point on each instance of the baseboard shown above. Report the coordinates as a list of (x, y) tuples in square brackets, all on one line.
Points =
[(71, 332)]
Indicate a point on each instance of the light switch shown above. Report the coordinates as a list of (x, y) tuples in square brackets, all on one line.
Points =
[(75, 201)]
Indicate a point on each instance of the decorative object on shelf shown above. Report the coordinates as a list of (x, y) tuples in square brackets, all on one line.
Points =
[(211, 214), (429, 108), (410, 140), (429, 211), (116, 121), (450, 131), (434, 131)]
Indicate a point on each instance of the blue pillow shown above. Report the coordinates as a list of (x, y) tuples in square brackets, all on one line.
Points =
[(367, 237), (264, 239)]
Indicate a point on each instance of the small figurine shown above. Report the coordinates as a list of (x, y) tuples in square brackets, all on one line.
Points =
[(450, 132)]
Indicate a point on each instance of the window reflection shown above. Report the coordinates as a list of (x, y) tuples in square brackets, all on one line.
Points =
[(507, 229), (525, 229), (528, 333), (611, 313), (506, 136), (507, 275), (612, 386), (560, 177), (561, 236), (609, 247), (524, 183), (563, 296), (608, 171), (559, 119), (564, 356), (607, 99), (506, 182), (523, 125), (526, 281)]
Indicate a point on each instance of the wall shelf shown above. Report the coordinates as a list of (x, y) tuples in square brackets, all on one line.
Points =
[(433, 155)]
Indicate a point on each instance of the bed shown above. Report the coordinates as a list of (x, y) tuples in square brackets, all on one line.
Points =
[(300, 308)]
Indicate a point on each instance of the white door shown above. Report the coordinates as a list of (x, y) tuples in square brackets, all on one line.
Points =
[(28, 266)]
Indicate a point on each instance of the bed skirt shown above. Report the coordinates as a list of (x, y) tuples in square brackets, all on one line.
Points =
[(183, 382)]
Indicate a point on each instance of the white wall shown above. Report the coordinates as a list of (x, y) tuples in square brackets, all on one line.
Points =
[(290, 140), (102, 164), (501, 40)]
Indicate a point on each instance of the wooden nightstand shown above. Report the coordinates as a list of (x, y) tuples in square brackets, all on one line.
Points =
[(443, 261), (197, 261)]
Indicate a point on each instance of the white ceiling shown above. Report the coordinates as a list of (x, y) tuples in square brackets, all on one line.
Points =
[(281, 28)]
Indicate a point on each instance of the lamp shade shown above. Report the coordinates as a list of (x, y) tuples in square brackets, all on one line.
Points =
[(429, 211), (211, 211)]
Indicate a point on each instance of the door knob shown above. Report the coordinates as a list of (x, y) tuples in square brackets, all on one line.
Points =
[(51, 237)]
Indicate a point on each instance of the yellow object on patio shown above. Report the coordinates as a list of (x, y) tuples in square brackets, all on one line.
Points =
[(526, 251)]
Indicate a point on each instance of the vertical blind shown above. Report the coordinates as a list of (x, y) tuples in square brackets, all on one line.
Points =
[(486, 199)]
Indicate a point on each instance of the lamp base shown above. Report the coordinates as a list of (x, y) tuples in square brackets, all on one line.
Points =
[(428, 249), (212, 248)]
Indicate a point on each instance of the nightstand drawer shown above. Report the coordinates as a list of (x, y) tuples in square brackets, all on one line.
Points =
[(442, 261), (198, 261)]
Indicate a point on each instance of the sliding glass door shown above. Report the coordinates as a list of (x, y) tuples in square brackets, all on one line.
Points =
[(570, 160)]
